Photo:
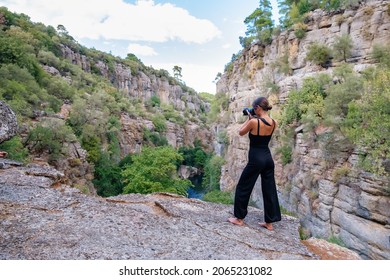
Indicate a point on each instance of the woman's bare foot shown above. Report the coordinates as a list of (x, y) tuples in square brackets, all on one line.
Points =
[(266, 225), (3, 154), (236, 221)]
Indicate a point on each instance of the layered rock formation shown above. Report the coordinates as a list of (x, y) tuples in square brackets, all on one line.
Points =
[(141, 86), (353, 206)]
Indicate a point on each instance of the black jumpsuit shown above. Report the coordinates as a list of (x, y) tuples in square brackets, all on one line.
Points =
[(259, 162)]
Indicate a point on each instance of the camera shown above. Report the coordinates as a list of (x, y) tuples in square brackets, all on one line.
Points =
[(251, 111)]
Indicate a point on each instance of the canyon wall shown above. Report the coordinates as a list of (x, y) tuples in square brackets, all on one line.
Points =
[(353, 206)]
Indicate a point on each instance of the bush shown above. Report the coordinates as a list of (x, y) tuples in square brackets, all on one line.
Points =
[(282, 64), (381, 54), (49, 137), (336, 240), (92, 144), (340, 95), (286, 153), (372, 110), (217, 196), (15, 149), (319, 54), (300, 30), (154, 138), (309, 100), (159, 123)]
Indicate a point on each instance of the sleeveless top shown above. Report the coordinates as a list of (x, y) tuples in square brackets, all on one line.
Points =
[(260, 140)]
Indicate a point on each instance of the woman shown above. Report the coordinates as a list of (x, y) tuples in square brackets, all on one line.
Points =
[(260, 162)]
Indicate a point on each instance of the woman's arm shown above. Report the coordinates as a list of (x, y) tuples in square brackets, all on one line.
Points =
[(246, 127)]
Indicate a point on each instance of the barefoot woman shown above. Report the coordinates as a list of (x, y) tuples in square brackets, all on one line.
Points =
[(260, 162)]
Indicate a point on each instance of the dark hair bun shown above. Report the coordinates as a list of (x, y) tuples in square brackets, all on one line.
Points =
[(263, 103)]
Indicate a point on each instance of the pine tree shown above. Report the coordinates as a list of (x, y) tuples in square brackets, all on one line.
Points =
[(259, 23)]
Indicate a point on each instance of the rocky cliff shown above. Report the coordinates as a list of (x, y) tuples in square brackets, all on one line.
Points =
[(353, 207), (140, 86), (8, 123)]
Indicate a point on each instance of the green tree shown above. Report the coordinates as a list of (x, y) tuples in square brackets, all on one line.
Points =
[(259, 22), (342, 47), (107, 176), (154, 170), (194, 156), (50, 137), (177, 73)]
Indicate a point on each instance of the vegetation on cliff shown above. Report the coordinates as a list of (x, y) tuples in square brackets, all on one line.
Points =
[(44, 70)]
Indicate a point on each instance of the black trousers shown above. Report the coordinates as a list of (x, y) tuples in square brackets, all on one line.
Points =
[(260, 164)]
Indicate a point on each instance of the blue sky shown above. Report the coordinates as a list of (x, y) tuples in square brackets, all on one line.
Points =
[(200, 36)]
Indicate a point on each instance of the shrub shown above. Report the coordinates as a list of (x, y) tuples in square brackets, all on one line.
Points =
[(15, 149), (195, 156), (381, 54), (306, 101), (340, 172), (319, 54), (159, 123), (372, 110), (340, 95), (217, 196), (155, 101), (49, 137), (286, 153), (282, 64), (300, 30), (154, 138), (336, 240)]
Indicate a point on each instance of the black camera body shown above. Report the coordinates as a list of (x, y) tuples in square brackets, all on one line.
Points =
[(250, 110)]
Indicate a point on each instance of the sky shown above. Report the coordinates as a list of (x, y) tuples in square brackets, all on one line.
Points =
[(200, 36)]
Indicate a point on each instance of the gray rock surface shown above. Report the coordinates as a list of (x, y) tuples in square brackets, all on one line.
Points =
[(8, 122), (42, 219)]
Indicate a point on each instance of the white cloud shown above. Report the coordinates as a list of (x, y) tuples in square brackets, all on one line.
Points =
[(117, 20), (141, 50), (198, 77), (226, 46)]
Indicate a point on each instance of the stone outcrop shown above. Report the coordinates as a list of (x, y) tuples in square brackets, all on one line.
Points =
[(352, 206), (132, 134), (8, 122), (41, 218)]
